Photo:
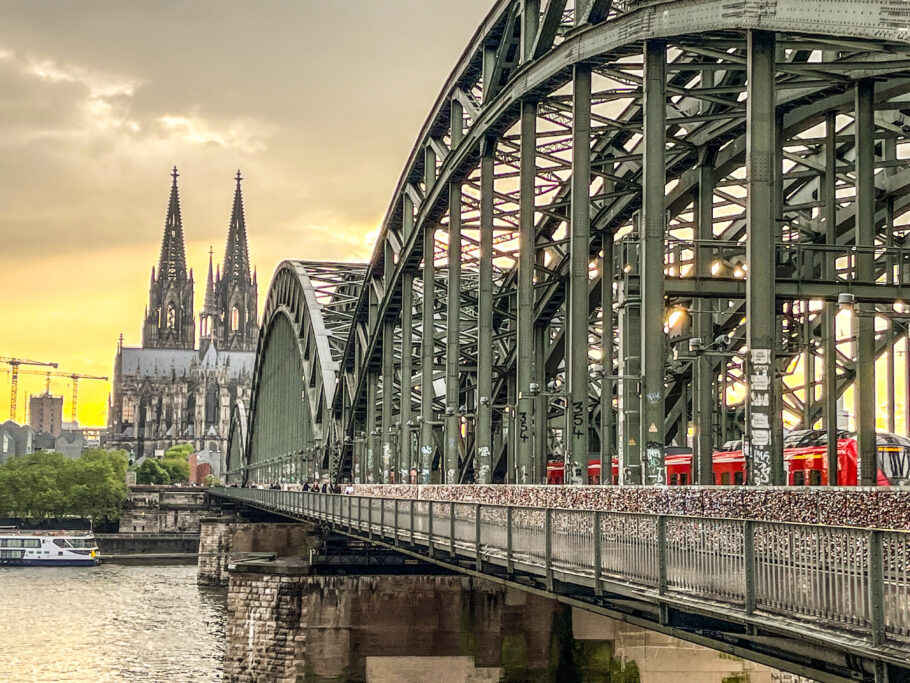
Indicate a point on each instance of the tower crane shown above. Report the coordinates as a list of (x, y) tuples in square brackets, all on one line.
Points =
[(14, 364), (74, 376)]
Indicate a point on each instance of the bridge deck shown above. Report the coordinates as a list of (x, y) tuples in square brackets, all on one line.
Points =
[(834, 587)]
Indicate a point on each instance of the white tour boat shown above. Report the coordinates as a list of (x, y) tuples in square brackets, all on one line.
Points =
[(48, 548)]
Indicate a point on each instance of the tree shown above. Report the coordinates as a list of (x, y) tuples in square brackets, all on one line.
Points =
[(181, 450), (49, 485), (177, 468), (151, 471)]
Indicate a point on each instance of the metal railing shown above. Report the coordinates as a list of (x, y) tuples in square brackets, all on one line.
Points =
[(837, 578)]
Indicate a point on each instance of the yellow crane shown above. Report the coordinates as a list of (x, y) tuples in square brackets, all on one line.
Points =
[(14, 364), (74, 376)]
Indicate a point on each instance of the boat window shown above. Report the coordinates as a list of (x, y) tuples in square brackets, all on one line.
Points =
[(15, 554), (62, 543), (31, 543)]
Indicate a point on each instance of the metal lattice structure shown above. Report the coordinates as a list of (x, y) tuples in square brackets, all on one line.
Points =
[(638, 219), (305, 326)]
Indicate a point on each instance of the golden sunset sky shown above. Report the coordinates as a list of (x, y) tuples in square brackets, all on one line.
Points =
[(318, 103)]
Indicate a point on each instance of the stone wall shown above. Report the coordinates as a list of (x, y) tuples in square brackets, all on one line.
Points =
[(163, 509), (859, 507), (288, 628), (136, 544), (220, 537), (404, 629)]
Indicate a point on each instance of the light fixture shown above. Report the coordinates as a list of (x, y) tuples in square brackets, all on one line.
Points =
[(845, 301)]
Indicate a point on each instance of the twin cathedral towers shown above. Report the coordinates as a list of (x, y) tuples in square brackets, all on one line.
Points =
[(168, 390), (228, 316)]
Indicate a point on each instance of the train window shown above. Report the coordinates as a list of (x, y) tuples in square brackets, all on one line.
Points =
[(683, 479), (815, 478), (725, 478), (673, 481), (738, 478), (799, 479)]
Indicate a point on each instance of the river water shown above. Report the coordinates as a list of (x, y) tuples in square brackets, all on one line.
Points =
[(153, 623), (109, 623)]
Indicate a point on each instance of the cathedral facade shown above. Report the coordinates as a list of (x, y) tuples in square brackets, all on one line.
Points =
[(170, 390)]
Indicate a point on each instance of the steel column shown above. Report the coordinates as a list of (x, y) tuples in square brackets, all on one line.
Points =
[(405, 452), (453, 333), (576, 434), (526, 256), (607, 445), (530, 20), (889, 147), (762, 412), (483, 439), (653, 224), (388, 395), (427, 445), (864, 320), (829, 324), (629, 404), (373, 474), (704, 396)]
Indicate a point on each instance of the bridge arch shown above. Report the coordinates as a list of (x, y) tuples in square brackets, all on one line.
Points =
[(440, 380), (304, 326)]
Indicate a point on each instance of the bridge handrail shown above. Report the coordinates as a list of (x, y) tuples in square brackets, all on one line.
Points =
[(845, 579)]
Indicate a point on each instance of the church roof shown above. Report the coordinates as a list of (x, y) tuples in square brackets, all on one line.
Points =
[(172, 262), (135, 362)]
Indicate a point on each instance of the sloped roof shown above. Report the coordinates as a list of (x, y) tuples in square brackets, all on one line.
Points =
[(136, 362)]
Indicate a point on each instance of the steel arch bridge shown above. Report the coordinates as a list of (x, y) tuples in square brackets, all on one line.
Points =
[(624, 225)]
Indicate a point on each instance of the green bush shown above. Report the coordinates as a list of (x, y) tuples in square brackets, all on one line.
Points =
[(49, 485)]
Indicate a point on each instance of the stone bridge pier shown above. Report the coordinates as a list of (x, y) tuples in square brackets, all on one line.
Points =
[(233, 535)]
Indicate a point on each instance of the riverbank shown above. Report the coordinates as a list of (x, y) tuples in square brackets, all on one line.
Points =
[(151, 559), (148, 549)]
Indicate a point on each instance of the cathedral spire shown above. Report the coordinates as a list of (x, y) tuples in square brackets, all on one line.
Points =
[(236, 254), (235, 293), (172, 263), (169, 318), (209, 305)]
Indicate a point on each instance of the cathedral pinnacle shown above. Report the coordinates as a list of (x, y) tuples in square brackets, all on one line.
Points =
[(172, 263), (236, 254)]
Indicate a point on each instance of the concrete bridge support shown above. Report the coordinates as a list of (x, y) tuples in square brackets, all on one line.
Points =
[(230, 535)]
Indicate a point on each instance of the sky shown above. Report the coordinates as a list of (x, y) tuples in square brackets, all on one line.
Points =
[(317, 102)]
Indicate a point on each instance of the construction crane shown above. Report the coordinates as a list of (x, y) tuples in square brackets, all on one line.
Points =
[(14, 364), (74, 376)]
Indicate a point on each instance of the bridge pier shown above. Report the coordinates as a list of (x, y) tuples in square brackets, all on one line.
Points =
[(222, 537)]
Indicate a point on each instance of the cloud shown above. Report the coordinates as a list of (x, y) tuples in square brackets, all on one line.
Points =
[(317, 102)]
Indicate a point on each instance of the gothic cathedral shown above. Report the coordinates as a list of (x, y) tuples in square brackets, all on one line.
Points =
[(167, 391)]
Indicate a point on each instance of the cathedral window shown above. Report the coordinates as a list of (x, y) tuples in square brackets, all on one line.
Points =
[(171, 317), (235, 319), (129, 411)]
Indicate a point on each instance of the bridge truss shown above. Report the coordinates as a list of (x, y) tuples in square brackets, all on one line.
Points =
[(624, 225)]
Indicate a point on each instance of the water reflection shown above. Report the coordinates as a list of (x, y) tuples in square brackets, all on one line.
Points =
[(110, 623)]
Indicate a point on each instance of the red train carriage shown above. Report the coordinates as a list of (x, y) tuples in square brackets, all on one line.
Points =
[(805, 457)]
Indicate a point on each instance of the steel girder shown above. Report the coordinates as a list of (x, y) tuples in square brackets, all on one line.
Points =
[(498, 172), (232, 469), (307, 318)]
